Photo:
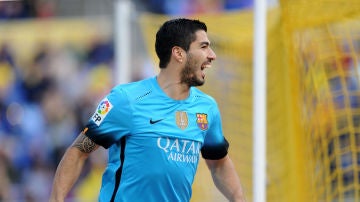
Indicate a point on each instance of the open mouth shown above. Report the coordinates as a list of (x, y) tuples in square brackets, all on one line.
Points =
[(203, 67)]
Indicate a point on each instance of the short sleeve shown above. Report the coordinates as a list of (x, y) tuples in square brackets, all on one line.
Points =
[(111, 119), (215, 145)]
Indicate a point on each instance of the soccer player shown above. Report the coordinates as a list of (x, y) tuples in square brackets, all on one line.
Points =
[(156, 128)]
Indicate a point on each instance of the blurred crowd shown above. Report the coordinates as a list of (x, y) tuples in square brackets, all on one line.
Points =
[(43, 106), (52, 8), (188, 7), (26, 9)]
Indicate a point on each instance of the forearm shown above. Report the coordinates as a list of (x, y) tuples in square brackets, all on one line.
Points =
[(70, 166), (227, 181), (67, 173)]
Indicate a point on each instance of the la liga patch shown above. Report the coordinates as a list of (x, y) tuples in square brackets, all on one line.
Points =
[(102, 110)]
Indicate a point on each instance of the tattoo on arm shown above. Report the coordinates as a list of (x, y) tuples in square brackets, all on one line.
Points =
[(84, 144)]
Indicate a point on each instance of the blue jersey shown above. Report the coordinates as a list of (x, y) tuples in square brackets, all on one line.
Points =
[(154, 141)]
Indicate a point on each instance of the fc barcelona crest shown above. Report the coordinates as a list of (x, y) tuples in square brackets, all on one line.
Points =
[(181, 119), (201, 120)]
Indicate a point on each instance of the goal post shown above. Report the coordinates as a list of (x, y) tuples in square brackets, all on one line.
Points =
[(259, 102)]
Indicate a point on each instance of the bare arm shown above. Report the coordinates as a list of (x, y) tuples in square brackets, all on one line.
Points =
[(226, 179), (71, 166)]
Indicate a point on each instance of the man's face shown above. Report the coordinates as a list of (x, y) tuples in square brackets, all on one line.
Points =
[(198, 58)]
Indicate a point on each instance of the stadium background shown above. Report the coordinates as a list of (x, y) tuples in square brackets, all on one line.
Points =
[(56, 62)]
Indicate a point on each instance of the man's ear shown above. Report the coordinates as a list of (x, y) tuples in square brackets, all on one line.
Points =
[(178, 53)]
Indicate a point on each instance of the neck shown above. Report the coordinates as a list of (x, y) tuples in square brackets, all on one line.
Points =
[(172, 86)]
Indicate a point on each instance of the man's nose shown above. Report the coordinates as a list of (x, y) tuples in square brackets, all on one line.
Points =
[(212, 55)]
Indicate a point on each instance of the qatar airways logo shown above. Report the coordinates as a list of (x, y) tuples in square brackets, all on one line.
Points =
[(186, 151)]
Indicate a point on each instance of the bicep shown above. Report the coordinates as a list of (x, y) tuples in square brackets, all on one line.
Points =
[(215, 144), (84, 144)]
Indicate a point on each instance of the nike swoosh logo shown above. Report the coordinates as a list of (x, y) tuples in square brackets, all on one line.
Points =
[(155, 121)]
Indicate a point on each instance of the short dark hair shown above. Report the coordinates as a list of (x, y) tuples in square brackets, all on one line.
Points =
[(176, 32)]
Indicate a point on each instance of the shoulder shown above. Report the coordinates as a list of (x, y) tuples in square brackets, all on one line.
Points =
[(205, 103), (202, 97), (133, 90)]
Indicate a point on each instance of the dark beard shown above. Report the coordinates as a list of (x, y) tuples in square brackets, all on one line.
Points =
[(188, 74)]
